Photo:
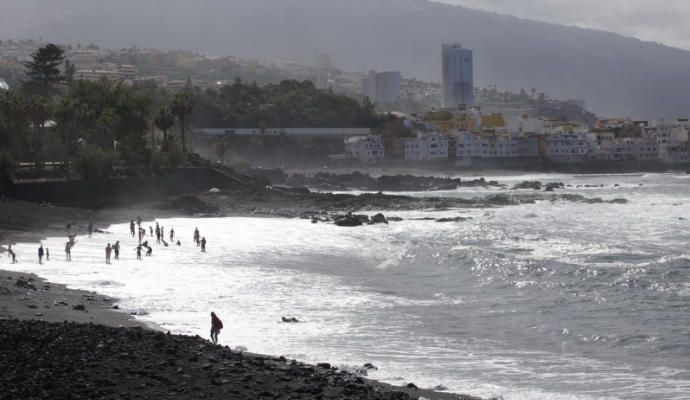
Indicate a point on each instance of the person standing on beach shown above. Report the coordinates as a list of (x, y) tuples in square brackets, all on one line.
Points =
[(203, 244), (216, 326), (13, 256), (172, 234), (131, 227), (68, 251), (40, 255), (138, 249), (116, 249), (108, 251), (196, 236), (150, 231), (158, 233)]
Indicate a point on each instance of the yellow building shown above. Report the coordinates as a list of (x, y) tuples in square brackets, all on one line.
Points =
[(493, 121), (448, 122)]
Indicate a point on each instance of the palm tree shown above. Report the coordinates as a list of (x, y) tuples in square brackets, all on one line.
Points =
[(164, 121), (39, 111), (12, 116), (182, 106)]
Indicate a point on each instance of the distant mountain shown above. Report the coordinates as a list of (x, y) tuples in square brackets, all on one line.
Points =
[(617, 75)]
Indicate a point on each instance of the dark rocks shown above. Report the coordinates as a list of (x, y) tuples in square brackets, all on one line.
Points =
[(299, 190), (79, 307), (24, 284), (324, 365), (618, 201), (360, 181), (590, 200), (535, 185), (350, 220), (412, 386), (291, 320), (379, 219), (370, 366), (481, 182), (456, 219), (551, 186)]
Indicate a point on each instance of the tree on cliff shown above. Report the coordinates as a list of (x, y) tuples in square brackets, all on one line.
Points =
[(43, 69), (182, 106)]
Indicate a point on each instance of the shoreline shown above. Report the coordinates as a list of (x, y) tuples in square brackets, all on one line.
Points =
[(29, 302)]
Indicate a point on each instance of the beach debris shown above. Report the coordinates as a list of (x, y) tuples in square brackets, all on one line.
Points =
[(291, 320), (24, 284)]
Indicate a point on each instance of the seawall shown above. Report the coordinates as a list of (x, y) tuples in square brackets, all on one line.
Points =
[(118, 191)]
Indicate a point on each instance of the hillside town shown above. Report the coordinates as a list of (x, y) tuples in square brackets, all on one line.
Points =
[(468, 137), (451, 123)]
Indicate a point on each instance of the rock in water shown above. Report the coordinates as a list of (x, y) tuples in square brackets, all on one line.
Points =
[(536, 185), (379, 219), (350, 220)]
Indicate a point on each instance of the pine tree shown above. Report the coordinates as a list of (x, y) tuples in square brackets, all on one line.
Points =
[(43, 69)]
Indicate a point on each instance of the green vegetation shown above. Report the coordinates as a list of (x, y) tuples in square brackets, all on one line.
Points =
[(287, 104), (107, 127)]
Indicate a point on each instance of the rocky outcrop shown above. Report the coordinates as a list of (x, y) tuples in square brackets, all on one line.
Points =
[(360, 181), (189, 205), (379, 219), (351, 219), (535, 185)]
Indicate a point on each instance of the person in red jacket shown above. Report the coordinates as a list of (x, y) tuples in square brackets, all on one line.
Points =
[(216, 326)]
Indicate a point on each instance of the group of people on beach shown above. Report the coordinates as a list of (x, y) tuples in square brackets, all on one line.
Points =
[(113, 250)]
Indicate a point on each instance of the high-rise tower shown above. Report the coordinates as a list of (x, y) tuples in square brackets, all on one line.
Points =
[(458, 76)]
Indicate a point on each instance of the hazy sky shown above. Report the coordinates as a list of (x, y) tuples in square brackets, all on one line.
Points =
[(664, 21)]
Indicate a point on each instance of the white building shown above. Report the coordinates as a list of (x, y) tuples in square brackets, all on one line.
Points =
[(643, 149), (429, 147), (525, 124), (567, 148), (527, 145), (672, 139), (365, 149), (382, 87), (470, 145)]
